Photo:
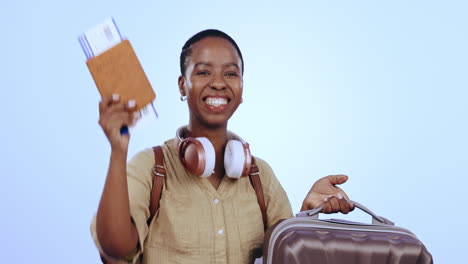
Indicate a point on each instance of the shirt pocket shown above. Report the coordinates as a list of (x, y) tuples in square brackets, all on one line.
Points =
[(176, 227)]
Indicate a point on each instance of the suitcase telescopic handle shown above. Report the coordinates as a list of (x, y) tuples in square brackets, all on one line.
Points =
[(376, 220)]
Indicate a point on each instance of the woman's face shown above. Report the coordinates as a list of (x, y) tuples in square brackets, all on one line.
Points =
[(212, 82)]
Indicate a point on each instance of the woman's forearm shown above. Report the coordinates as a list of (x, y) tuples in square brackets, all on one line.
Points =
[(116, 232)]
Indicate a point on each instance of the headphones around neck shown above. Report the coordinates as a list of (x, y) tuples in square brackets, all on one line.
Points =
[(198, 155)]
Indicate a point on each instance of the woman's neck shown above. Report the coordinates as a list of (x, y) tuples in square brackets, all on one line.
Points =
[(217, 136)]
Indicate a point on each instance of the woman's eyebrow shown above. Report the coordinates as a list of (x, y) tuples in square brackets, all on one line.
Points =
[(231, 64), (209, 64), (203, 64)]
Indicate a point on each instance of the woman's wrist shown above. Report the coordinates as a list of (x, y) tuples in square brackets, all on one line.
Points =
[(118, 153)]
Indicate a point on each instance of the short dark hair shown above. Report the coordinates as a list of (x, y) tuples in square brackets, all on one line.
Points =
[(187, 48)]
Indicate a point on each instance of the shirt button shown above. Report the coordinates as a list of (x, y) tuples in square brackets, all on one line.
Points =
[(216, 201), (220, 232)]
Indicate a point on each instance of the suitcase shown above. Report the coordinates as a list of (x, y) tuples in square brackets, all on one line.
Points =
[(306, 239)]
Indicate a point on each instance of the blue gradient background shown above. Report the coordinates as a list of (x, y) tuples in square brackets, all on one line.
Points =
[(376, 90)]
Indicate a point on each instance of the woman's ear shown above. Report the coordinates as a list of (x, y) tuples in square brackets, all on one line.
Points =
[(181, 82)]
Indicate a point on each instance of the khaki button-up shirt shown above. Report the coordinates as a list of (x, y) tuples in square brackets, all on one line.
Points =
[(197, 223)]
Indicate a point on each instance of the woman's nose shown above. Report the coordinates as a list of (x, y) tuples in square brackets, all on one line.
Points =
[(218, 83)]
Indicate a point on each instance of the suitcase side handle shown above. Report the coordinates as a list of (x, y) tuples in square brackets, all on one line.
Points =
[(376, 220)]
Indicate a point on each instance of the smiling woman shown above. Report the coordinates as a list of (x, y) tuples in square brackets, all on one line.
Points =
[(212, 82), (227, 214)]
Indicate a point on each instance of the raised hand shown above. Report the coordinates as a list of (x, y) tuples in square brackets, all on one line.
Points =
[(113, 115), (324, 191)]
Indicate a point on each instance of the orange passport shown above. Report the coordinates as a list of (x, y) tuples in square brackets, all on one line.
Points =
[(118, 71)]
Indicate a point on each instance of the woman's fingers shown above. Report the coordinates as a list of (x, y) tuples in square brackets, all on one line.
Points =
[(107, 101), (115, 107), (114, 104), (114, 114), (112, 121), (111, 108), (335, 204), (327, 208), (344, 205), (119, 120), (130, 105)]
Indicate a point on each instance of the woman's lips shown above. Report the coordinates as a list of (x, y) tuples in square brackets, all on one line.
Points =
[(216, 104)]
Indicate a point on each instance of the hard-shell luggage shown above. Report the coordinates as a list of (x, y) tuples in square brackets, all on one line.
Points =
[(306, 239)]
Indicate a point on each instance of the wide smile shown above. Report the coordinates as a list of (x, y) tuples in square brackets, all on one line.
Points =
[(216, 103)]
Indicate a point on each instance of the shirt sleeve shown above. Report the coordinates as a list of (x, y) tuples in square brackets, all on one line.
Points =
[(139, 180), (131, 258), (276, 199)]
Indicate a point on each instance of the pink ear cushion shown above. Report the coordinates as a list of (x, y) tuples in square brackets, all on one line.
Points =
[(210, 156), (234, 159)]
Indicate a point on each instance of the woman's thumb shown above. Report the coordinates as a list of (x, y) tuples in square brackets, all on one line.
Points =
[(337, 179)]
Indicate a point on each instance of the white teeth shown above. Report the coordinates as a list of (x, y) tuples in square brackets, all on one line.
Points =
[(216, 101)]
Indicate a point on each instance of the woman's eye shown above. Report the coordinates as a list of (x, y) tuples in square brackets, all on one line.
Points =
[(232, 74), (203, 73)]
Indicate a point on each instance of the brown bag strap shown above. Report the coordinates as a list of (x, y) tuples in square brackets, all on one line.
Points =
[(254, 176), (159, 172)]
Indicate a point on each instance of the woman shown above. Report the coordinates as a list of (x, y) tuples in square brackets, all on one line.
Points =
[(214, 219)]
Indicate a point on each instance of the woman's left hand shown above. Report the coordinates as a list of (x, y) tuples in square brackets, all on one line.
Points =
[(324, 191)]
